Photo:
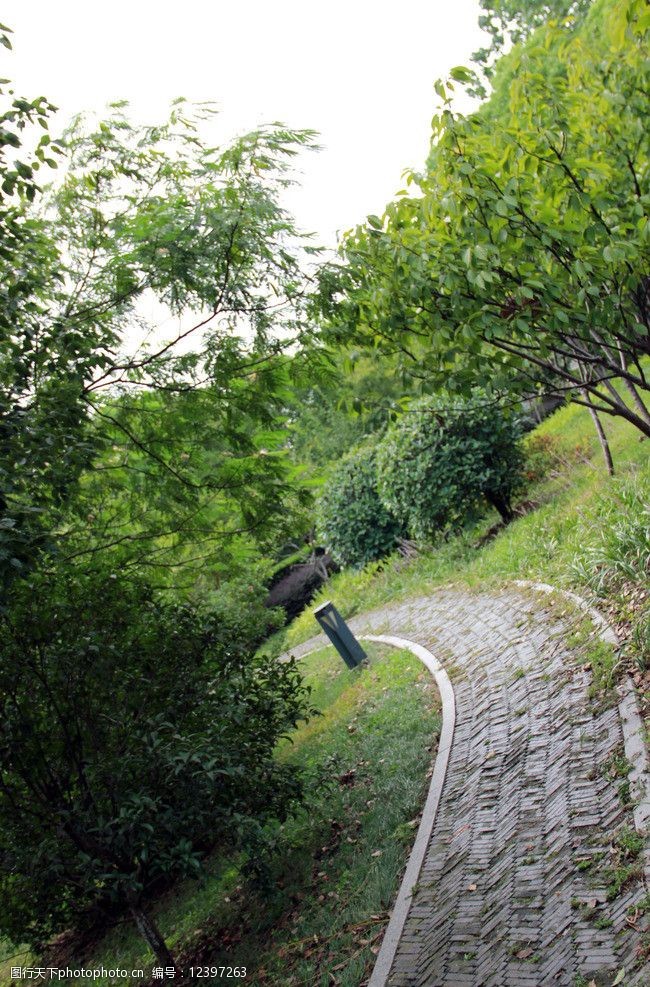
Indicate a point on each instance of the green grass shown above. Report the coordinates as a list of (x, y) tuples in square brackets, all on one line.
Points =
[(590, 532), (338, 863)]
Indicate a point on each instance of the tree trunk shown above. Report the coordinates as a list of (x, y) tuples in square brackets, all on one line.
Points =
[(502, 505), (604, 444), (152, 936), (638, 401)]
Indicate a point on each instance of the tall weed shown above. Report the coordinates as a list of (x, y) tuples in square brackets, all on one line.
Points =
[(620, 550)]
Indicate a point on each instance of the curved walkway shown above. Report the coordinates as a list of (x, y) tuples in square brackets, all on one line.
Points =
[(512, 890)]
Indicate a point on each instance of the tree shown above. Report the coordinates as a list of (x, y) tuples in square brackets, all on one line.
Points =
[(443, 459), (522, 264), (133, 734), (147, 212), (514, 21), (118, 773), (346, 396)]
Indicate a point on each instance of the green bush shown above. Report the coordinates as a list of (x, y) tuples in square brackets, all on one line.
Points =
[(242, 621), (131, 742), (439, 464), (351, 519)]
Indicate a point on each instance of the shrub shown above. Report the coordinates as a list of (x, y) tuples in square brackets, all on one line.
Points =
[(130, 743), (437, 465), (352, 520), (542, 456), (242, 621)]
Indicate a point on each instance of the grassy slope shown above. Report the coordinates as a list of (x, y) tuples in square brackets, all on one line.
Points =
[(559, 542), (339, 862)]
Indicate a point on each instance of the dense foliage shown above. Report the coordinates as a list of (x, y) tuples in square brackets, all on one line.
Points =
[(348, 396), (515, 20), (160, 441), (131, 740), (137, 730), (352, 520), (242, 621), (521, 264), (440, 462)]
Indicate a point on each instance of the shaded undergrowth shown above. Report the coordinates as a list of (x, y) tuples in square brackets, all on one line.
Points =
[(319, 914)]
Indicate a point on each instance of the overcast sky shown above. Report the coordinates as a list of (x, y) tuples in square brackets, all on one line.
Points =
[(360, 72)]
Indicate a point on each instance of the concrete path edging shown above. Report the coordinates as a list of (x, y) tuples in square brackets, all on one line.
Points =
[(402, 903)]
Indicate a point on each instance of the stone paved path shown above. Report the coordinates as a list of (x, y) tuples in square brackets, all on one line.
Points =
[(511, 892)]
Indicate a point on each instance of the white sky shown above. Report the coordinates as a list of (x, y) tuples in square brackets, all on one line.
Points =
[(360, 72)]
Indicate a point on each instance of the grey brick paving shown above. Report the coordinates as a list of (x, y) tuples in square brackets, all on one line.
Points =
[(524, 803)]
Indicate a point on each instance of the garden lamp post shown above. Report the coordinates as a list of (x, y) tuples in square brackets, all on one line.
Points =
[(340, 634)]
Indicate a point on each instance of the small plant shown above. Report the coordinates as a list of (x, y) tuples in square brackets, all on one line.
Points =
[(640, 639), (618, 767), (626, 847), (604, 662), (643, 906), (619, 878), (629, 843)]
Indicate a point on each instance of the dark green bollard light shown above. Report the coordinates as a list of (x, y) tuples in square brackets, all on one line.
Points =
[(340, 634)]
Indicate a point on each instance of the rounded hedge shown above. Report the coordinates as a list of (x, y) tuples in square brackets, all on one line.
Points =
[(439, 463), (351, 519)]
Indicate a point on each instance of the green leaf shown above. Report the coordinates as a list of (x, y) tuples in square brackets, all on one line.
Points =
[(461, 74)]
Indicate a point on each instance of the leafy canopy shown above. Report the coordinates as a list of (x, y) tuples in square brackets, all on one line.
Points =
[(515, 21), (521, 264), (180, 429)]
